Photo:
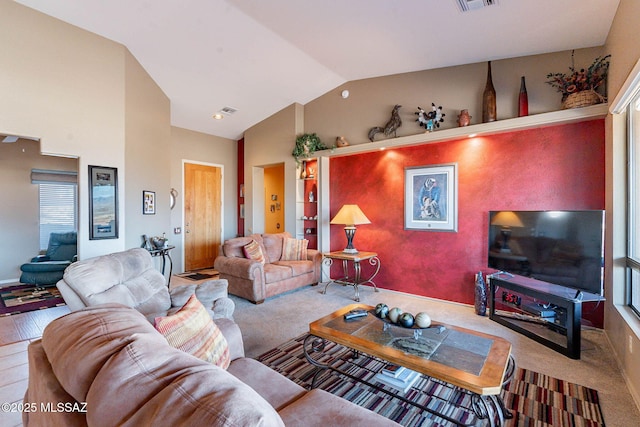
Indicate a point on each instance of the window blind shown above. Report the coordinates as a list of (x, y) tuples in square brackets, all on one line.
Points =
[(58, 209)]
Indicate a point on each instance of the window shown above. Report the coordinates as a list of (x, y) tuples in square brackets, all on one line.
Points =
[(58, 201), (633, 214)]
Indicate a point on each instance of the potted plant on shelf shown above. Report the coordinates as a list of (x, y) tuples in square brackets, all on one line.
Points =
[(579, 87), (306, 145)]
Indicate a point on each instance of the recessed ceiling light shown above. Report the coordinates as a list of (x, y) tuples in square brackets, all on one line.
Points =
[(218, 116)]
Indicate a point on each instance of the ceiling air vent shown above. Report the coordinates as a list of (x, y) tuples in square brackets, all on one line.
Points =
[(467, 5), (228, 110)]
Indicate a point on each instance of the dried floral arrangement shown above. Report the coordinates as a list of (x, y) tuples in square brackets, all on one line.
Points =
[(579, 80)]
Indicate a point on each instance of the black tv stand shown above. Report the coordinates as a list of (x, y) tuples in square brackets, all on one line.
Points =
[(548, 313)]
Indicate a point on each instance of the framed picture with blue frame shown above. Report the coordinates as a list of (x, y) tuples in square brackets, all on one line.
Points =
[(431, 198)]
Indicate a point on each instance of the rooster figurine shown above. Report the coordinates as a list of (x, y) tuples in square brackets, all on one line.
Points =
[(391, 127)]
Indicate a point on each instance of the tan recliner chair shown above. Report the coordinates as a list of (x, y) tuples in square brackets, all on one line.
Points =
[(129, 278)]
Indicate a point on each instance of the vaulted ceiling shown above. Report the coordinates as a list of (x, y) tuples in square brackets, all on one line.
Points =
[(259, 56)]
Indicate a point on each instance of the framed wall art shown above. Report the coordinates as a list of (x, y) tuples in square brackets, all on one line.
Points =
[(148, 202), (431, 198), (103, 203)]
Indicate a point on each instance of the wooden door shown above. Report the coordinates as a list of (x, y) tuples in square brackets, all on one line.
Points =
[(202, 213)]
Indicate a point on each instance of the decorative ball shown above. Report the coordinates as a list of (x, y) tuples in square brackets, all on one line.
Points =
[(423, 320), (382, 310), (394, 313), (406, 320)]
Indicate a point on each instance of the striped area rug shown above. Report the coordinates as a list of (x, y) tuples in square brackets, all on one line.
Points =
[(534, 399)]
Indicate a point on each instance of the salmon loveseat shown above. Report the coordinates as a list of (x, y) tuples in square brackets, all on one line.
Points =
[(106, 365), (254, 280)]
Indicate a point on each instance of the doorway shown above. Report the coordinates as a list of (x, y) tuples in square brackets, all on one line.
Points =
[(274, 199), (202, 215)]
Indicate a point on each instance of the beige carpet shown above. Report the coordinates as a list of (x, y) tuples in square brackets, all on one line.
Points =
[(284, 317)]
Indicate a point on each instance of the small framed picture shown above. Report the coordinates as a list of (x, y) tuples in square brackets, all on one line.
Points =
[(149, 202)]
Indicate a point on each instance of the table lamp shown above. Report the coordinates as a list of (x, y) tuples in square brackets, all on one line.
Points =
[(506, 220), (350, 216)]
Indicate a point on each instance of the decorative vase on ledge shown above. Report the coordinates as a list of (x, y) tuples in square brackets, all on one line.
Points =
[(489, 99), (523, 99), (464, 119)]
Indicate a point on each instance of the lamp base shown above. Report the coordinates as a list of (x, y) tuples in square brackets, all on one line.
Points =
[(350, 251)]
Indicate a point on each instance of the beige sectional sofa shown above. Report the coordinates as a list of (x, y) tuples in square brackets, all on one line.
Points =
[(106, 365), (256, 281), (130, 278)]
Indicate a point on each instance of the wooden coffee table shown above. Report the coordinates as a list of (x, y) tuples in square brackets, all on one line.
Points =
[(475, 363)]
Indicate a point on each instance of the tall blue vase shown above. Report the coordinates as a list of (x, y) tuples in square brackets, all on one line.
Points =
[(481, 295)]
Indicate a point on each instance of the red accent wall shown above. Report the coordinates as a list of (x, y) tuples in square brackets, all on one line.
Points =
[(552, 168)]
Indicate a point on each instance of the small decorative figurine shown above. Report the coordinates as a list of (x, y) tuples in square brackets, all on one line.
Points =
[(464, 119), (432, 119), (390, 128), (341, 142)]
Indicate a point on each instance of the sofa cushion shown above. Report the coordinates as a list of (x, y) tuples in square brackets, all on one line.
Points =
[(275, 273), (325, 409), (294, 249), (192, 330), (297, 267), (275, 388), (273, 245), (80, 343), (127, 277), (234, 248), (253, 251)]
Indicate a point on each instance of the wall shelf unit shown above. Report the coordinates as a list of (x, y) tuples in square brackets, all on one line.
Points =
[(307, 202), (572, 115)]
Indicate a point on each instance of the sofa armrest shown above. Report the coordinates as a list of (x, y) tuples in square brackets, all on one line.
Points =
[(233, 335), (70, 297), (212, 290), (212, 294), (243, 268), (315, 256)]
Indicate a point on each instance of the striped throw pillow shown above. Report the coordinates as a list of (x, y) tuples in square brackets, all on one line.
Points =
[(252, 251), (294, 249), (192, 330)]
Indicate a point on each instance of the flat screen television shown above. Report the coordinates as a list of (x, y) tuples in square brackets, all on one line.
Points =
[(560, 247)]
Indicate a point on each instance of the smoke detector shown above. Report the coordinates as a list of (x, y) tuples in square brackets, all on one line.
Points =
[(467, 5)]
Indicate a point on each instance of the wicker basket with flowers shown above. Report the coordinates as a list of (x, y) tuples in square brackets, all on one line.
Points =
[(579, 87)]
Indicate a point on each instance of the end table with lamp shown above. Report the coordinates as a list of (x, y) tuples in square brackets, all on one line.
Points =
[(350, 216)]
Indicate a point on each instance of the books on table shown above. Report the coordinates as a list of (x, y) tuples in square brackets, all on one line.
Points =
[(397, 377)]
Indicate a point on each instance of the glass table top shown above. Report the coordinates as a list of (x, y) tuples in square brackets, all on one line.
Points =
[(438, 343)]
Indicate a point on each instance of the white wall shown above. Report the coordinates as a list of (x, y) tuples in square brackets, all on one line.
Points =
[(622, 326), (66, 87), (19, 210)]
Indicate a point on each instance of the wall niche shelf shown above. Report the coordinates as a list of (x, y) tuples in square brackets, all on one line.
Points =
[(573, 115), (307, 202)]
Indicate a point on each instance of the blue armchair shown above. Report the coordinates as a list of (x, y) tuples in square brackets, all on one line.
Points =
[(47, 269)]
